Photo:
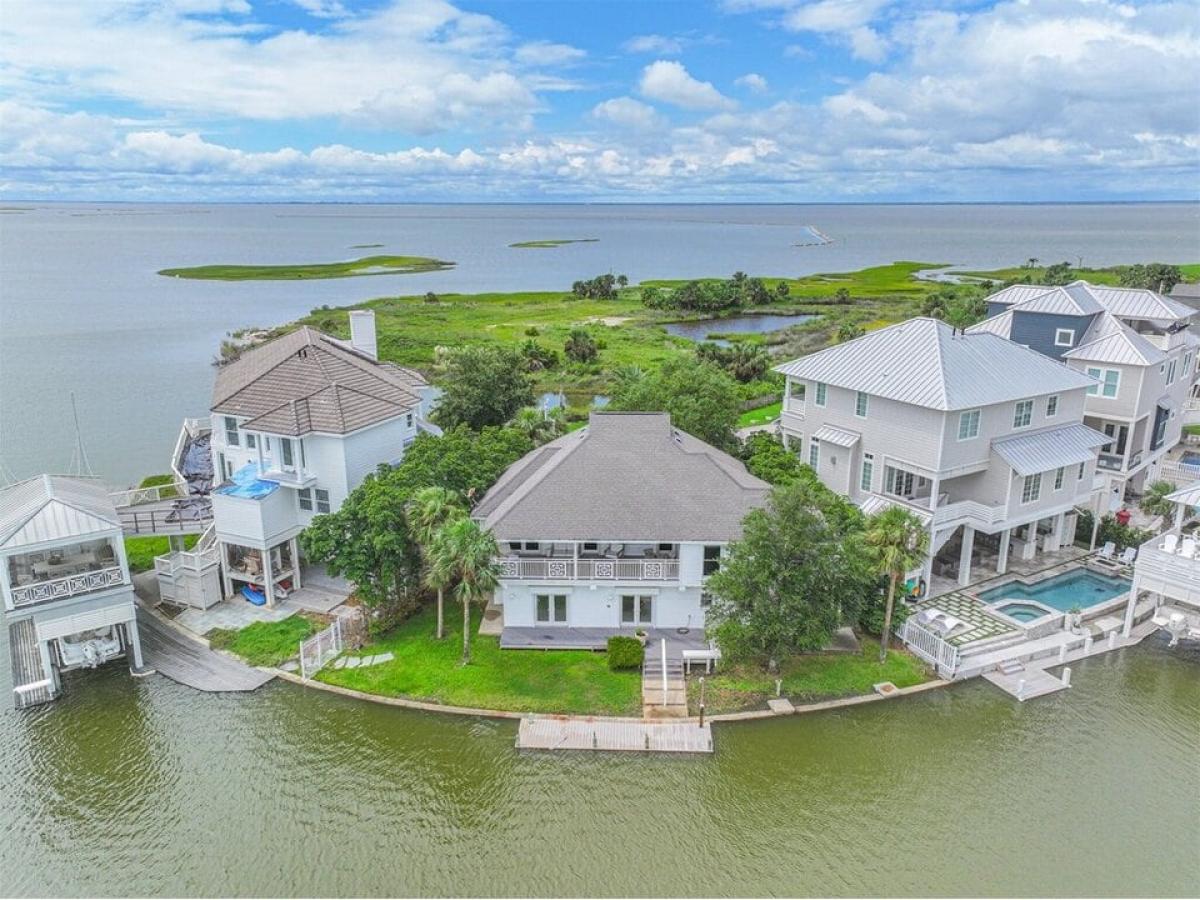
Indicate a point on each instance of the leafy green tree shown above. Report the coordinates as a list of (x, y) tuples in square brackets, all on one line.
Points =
[(460, 460), (537, 357), (580, 346), (1058, 274), (848, 331), (1152, 276), (428, 513), (898, 543), (368, 541), (540, 426), (465, 554), (702, 400), (794, 577), (745, 362), (1155, 502), (766, 458), (484, 386)]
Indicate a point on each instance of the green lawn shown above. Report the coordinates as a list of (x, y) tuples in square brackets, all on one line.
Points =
[(760, 415), (1191, 429), (559, 681), (809, 678), (1110, 275), (264, 643), (142, 550), (368, 265)]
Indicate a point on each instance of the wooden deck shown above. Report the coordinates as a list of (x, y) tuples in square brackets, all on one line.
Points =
[(556, 637), (189, 662), (26, 663), (620, 735)]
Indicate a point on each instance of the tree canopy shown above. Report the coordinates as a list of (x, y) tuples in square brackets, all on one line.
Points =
[(1152, 276), (484, 386), (702, 400), (796, 575)]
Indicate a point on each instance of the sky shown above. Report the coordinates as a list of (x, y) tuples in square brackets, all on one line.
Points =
[(527, 100)]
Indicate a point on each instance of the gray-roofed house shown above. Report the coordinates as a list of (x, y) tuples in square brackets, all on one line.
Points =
[(64, 580), (615, 526), (1138, 344), (982, 438), (296, 424)]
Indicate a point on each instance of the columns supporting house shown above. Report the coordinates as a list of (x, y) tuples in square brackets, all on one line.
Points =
[(1131, 604), (135, 644), (268, 578), (1002, 558), (964, 559), (294, 548)]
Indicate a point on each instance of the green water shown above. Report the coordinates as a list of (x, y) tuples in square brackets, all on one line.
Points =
[(145, 787)]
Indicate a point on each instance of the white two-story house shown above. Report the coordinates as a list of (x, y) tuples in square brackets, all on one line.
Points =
[(614, 527), (64, 580), (981, 438), (1138, 346), (296, 425)]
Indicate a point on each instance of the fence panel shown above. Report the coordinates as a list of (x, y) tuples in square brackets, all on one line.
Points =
[(319, 649)]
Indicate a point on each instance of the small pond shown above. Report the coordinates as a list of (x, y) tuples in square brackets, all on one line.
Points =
[(749, 324), (555, 399)]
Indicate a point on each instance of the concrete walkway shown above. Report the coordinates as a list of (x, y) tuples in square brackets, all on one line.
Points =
[(600, 733), (189, 662)]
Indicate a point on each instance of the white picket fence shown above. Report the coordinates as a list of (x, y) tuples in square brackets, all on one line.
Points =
[(929, 646), (318, 650)]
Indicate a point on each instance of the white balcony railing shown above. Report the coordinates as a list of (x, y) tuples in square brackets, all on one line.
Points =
[(565, 569), (970, 510), (68, 586), (155, 494), (1169, 568), (290, 476)]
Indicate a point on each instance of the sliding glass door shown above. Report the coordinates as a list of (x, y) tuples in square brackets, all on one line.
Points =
[(637, 609)]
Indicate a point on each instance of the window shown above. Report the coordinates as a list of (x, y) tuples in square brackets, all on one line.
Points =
[(712, 558), (1059, 474), (705, 599), (231, 432), (860, 405), (590, 546), (1052, 406), (1082, 470), (285, 450), (1023, 413), (322, 501), (897, 482), (821, 391), (797, 391), (552, 609), (968, 425), (814, 453), (868, 471), (1064, 337), (1171, 372), (637, 609), (305, 499), (1032, 489), (408, 421), (251, 441), (1111, 379), (665, 548)]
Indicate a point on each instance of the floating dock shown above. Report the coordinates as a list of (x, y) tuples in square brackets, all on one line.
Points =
[(622, 735)]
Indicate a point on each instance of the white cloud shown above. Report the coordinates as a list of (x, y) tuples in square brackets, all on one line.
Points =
[(752, 82), (659, 44), (547, 53), (669, 82), (323, 9), (628, 113)]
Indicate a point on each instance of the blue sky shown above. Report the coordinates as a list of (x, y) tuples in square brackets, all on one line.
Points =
[(711, 100)]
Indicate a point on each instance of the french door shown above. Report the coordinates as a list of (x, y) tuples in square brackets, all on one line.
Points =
[(637, 609), (551, 609)]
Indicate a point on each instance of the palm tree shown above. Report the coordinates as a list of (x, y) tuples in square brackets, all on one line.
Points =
[(538, 425), (1155, 501), (429, 511), (466, 554), (899, 543)]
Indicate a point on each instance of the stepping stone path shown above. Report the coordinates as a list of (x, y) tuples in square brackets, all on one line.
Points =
[(362, 662)]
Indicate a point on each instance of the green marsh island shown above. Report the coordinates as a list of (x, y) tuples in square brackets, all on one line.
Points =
[(367, 265), (550, 244)]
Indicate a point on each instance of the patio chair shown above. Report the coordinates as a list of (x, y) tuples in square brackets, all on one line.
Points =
[(1170, 542), (1107, 551), (1128, 556), (1189, 548)]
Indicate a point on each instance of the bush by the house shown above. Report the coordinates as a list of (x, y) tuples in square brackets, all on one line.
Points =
[(624, 652)]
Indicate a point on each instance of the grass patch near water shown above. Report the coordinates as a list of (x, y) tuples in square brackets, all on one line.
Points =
[(808, 678), (550, 244), (264, 643), (141, 550), (561, 681), (367, 265)]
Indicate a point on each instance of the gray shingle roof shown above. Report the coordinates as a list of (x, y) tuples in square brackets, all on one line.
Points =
[(54, 507), (1042, 451), (625, 477), (927, 363), (306, 381)]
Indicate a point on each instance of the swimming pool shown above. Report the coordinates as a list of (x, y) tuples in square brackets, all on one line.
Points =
[(246, 483), (1078, 588), (1022, 612), (1190, 458)]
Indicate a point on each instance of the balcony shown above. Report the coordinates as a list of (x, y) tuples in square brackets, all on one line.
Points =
[(1167, 571), (971, 512), (67, 586), (541, 568), (1115, 462)]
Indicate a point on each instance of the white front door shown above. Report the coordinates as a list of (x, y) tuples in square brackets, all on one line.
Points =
[(637, 609), (550, 609)]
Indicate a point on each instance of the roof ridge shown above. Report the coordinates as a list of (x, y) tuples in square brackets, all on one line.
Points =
[(941, 364)]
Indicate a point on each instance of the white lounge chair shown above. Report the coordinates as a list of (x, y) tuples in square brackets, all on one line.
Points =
[(1170, 542), (1188, 550), (1128, 556), (1107, 551)]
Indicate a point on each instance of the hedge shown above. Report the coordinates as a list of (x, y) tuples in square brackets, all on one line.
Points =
[(624, 652)]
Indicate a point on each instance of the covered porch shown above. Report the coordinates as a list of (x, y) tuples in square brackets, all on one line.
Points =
[(589, 560)]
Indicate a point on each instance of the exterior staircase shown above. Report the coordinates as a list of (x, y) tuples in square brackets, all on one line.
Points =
[(657, 703)]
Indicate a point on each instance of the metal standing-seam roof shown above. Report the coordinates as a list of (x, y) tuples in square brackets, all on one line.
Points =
[(927, 363), (307, 381), (1042, 451), (1120, 345), (626, 476), (839, 436), (1139, 303), (1189, 495), (49, 508)]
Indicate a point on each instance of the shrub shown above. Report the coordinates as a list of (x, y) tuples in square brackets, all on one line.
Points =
[(624, 652)]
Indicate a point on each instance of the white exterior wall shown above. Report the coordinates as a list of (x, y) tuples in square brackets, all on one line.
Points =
[(594, 605), (996, 423), (256, 523), (382, 443)]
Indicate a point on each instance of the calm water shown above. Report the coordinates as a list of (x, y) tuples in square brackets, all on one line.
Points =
[(146, 787), (81, 308), (700, 331)]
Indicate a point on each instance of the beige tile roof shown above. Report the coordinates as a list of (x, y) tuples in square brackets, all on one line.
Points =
[(306, 381)]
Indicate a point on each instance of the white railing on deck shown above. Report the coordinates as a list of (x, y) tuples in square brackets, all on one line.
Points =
[(67, 586), (567, 569), (1178, 472), (137, 496), (970, 509), (206, 553), (319, 649), (929, 646)]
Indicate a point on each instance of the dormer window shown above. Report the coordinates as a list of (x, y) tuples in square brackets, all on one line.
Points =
[(1064, 337)]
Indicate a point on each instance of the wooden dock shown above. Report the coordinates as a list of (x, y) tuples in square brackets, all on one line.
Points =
[(29, 681), (191, 663), (622, 735)]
